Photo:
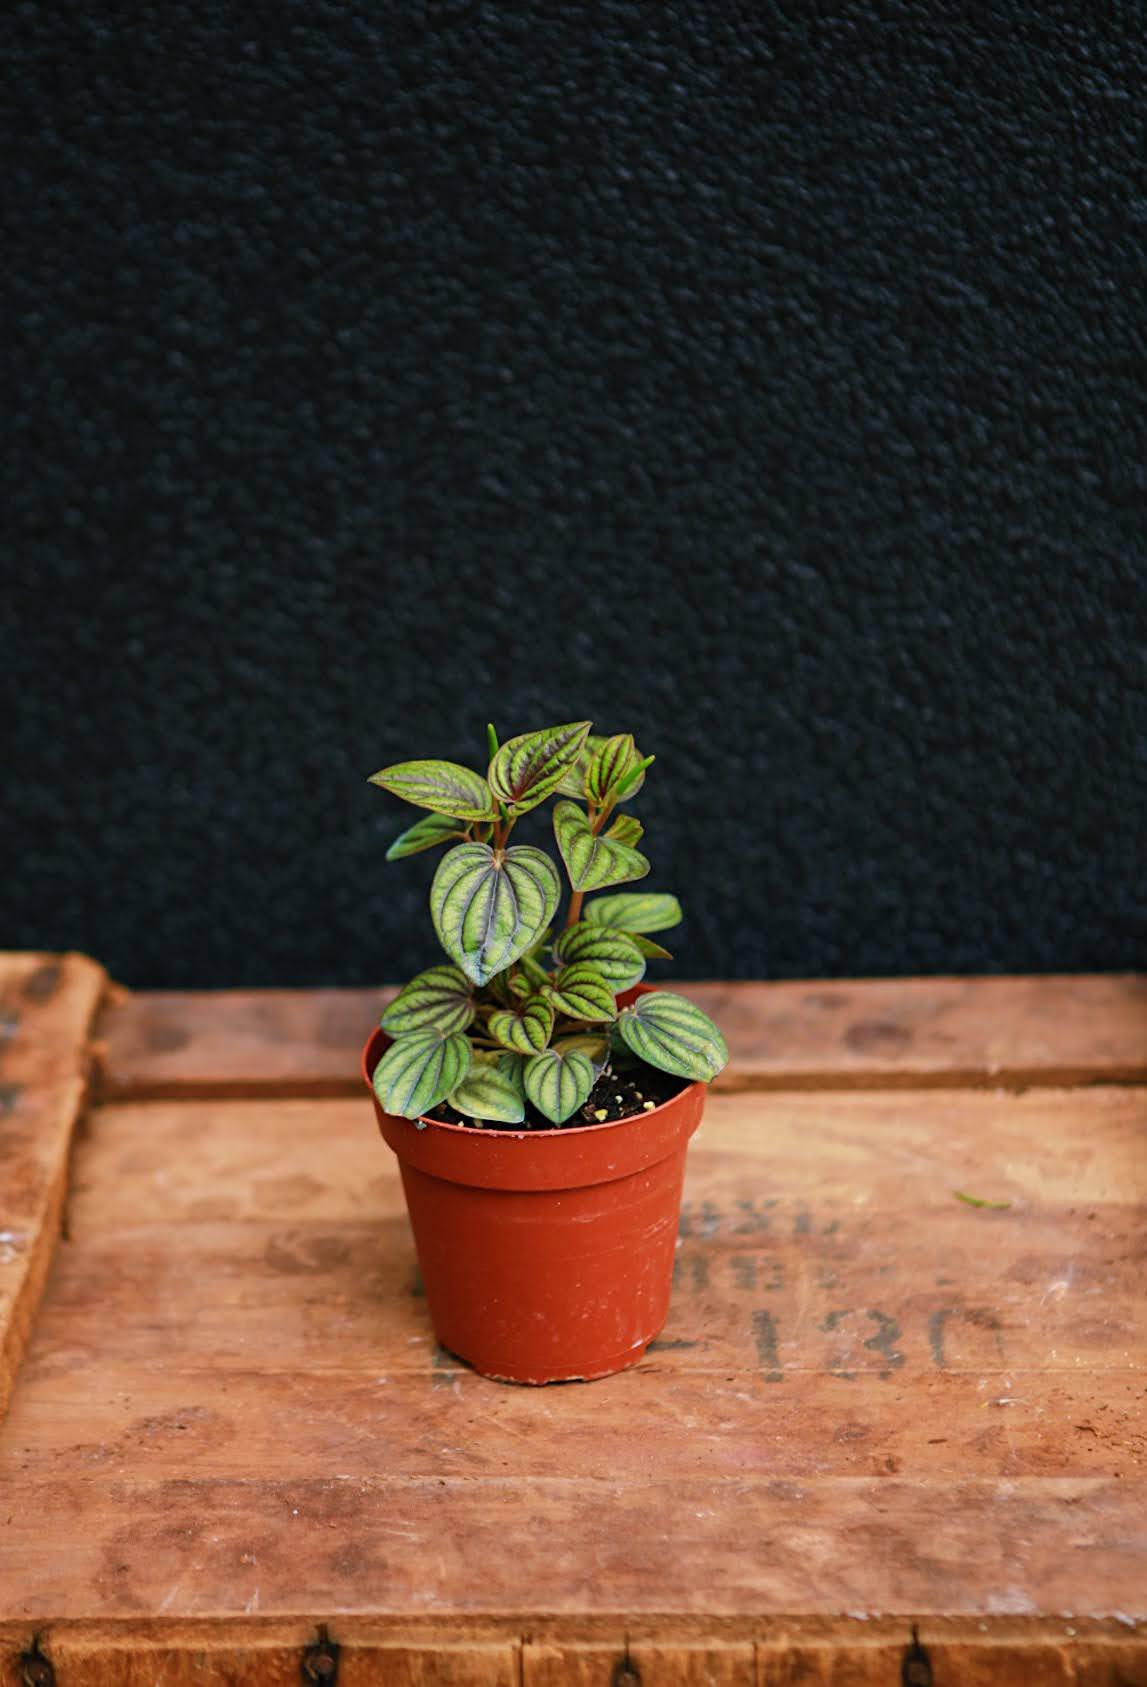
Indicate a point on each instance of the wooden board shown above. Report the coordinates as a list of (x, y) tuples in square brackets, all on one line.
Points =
[(875, 1408), (876, 1033), (47, 1005)]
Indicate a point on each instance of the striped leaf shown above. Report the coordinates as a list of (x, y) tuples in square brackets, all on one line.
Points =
[(573, 781), (635, 910), (593, 862), (580, 992), (486, 1092), (440, 999), (489, 906), (626, 829), (420, 1070), (612, 761), (527, 769), (614, 954), (526, 1032), (559, 1083), (669, 1032), (443, 786), (432, 829)]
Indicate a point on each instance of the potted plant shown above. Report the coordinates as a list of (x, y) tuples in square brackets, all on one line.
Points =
[(539, 1096)]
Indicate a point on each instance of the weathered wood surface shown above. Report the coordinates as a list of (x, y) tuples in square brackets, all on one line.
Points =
[(873, 1406), (876, 1033), (47, 1005)]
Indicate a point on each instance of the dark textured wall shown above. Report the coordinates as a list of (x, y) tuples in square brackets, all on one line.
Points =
[(767, 380)]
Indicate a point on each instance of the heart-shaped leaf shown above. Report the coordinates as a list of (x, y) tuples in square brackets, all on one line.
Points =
[(420, 1070), (526, 1032), (626, 829), (441, 998), (671, 1033), (489, 906), (593, 862), (594, 1044), (486, 1092), (443, 786), (635, 910), (613, 759), (614, 954), (528, 768), (573, 780), (432, 829), (580, 992), (558, 1084)]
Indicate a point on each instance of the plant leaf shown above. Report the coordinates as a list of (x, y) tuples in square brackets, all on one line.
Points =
[(557, 1083), (636, 910), (441, 998), (652, 951), (593, 862), (443, 786), (432, 829), (528, 768), (979, 1201), (630, 783), (626, 829), (581, 992), (419, 1070), (488, 1093), (614, 954), (613, 760), (573, 781), (595, 1044), (671, 1033), (488, 906), (526, 1032)]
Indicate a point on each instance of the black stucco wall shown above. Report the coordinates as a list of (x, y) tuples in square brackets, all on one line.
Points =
[(767, 380)]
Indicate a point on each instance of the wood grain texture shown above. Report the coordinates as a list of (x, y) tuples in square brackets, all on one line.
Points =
[(901, 1033), (47, 1005), (873, 1407)]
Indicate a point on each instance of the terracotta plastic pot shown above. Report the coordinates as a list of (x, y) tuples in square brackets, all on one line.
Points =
[(546, 1256)]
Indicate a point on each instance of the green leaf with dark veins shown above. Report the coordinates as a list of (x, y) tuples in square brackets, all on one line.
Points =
[(419, 1070), (527, 769), (487, 1093), (558, 1084), (432, 829), (611, 763), (593, 862), (614, 953), (441, 998), (636, 910), (443, 786), (526, 1032), (626, 829), (489, 906), (580, 992), (672, 1033), (573, 780)]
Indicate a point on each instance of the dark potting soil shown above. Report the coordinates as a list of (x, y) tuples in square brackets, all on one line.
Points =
[(613, 1097)]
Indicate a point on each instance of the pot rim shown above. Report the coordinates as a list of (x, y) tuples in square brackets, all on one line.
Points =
[(561, 1133)]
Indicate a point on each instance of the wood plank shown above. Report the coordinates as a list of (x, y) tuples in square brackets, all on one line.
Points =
[(745, 1547), (902, 1033), (433, 1417), (47, 1005), (755, 1164)]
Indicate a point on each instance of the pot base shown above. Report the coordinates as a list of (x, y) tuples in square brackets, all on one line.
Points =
[(600, 1368)]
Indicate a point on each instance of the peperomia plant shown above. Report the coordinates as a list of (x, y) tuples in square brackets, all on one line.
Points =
[(526, 1011)]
